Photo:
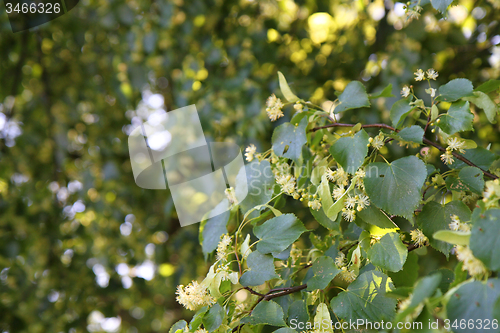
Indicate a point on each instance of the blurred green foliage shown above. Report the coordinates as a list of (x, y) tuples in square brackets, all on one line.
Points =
[(76, 234)]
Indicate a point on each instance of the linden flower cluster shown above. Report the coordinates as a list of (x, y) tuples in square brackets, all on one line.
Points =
[(287, 183), (413, 13), (430, 73), (453, 144), (457, 225), (223, 247), (274, 106), (471, 264), (491, 193), (353, 204), (346, 274), (405, 92), (338, 176), (418, 237), (193, 296), (377, 142), (250, 152), (403, 305)]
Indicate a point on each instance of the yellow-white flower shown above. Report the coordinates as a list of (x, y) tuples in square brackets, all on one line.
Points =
[(363, 201), (405, 92), (347, 275), (193, 296), (331, 175), (419, 75), (456, 144), (360, 173), (342, 176), (432, 74), (349, 214), (201, 330), (314, 204), (298, 106), (340, 260), (338, 191), (418, 237), (287, 183), (350, 202), (377, 142), (470, 263), (231, 195), (274, 106), (249, 152), (455, 223), (447, 157), (222, 247)]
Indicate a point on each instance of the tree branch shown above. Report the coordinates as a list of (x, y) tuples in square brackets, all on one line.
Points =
[(425, 140)]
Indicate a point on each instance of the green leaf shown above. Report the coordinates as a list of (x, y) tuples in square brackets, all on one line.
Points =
[(260, 269), (452, 237), (319, 170), (441, 5), (373, 215), (435, 217), (354, 96), (365, 299), (434, 112), (325, 195), (408, 275), (480, 156), (473, 301), (489, 86), (454, 90), (457, 119), (278, 233), (268, 313), (399, 111), (387, 92), (469, 179), (324, 271), (298, 311), (285, 89), (288, 139), (395, 188), (197, 318), (325, 221), (213, 228), (483, 101), (260, 183), (350, 152), (180, 325), (413, 133), (425, 288), (485, 240), (245, 248), (388, 253), (213, 319), (285, 330), (323, 318)]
